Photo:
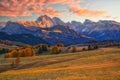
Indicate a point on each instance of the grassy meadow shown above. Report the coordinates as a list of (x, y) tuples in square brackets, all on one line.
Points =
[(101, 64)]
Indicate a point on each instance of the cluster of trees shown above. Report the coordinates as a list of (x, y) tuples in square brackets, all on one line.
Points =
[(91, 47), (27, 51), (38, 49), (56, 49), (41, 48), (24, 52), (74, 48), (4, 50)]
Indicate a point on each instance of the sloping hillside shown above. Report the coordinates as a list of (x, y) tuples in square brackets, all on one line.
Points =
[(102, 64)]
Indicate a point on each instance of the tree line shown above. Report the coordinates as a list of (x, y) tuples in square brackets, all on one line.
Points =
[(30, 51)]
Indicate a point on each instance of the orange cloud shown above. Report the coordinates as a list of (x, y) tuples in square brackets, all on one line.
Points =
[(75, 7), (87, 13), (27, 7)]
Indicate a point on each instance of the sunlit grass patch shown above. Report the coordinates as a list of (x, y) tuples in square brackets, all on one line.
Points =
[(102, 64)]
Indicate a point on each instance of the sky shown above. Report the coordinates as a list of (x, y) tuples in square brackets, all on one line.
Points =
[(67, 10)]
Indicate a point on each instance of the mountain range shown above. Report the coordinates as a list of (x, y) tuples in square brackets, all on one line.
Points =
[(53, 30)]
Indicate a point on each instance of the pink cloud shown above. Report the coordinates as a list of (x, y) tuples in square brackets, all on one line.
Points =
[(27, 7), (87, 13)]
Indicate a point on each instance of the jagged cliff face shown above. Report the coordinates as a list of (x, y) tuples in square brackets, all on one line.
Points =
[(52, 30), (45, 22), (42, 22), (101, 30)]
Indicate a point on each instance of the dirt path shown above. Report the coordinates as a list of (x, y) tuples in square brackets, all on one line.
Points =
[(87, 66)]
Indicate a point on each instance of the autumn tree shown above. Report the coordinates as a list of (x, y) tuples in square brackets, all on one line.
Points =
[(14, 53), (29, 52), (21, 53), (74, 49), (83, 49), (60, 45), (24, 52), (8, 55), (55, 50)]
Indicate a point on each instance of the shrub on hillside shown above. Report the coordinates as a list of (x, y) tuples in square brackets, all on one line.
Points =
[(55, 50), (74, 49), (60, 45), (96, 47), (92, 47), (83, 49)]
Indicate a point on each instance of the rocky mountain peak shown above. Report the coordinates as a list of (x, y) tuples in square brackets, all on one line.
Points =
[(45, 21), (57, 21)]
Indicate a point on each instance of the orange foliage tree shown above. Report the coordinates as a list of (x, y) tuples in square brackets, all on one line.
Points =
[(74, 49), (55, 50), (26, 52)]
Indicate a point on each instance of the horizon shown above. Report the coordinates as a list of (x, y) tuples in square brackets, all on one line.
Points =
[(67, 11), (60, 19)]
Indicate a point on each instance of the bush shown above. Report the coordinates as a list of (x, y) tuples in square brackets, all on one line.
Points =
[(8, 55), (55, 50), (60, 45), (92, 47), (74, 49), (84, 49), (96, 47)]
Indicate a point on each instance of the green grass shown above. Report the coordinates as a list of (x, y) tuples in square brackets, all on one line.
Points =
[(102, 64)]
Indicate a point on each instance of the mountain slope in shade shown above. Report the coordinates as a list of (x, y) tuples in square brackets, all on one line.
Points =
[(53, 35), (54, 30), (24, 38), (14, 28), (75, 25), (101, 30), (62, 34), (58, 21)]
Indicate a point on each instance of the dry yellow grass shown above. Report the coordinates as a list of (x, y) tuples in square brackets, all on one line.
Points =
[(102, 64)]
